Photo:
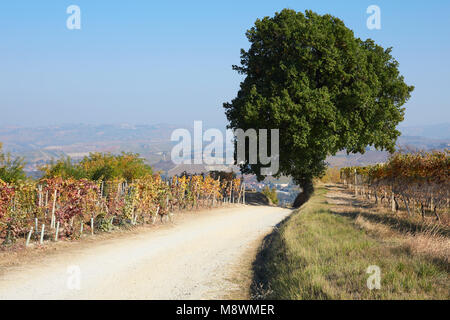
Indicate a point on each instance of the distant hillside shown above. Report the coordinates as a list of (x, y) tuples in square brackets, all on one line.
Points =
[(371, 156), (437, 131), (81, 137), (423, 143), (341, 159), (41, 144)]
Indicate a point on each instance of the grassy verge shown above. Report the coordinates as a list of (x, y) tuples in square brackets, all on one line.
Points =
[(317, 254)]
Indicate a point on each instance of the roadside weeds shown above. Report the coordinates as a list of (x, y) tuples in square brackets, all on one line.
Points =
[(324, 249)]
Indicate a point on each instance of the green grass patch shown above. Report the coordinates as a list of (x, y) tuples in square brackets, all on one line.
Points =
[(316, 254)]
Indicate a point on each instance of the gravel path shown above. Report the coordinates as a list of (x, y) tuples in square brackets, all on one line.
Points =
[(196, 258)]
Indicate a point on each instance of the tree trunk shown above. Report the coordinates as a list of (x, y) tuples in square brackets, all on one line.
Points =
[(436, 214), (406, 201), (307, 190)]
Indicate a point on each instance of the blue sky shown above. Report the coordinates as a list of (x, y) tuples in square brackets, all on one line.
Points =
[(149, 62)]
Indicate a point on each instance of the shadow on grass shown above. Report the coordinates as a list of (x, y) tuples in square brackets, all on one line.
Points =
[(397, 223), (262, 271), (271, 261), (403, 225)]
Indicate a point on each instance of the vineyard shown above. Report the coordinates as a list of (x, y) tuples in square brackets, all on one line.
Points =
[(51, 209), (419, 183)]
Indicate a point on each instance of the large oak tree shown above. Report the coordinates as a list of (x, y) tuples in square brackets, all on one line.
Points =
[(326, 90)]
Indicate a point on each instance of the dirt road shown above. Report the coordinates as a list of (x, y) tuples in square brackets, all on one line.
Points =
[(203, 257)]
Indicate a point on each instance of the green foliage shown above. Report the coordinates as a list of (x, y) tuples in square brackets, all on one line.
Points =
[(11, 170), (271, 194), (64, 168), (100, 166), (326, 91)]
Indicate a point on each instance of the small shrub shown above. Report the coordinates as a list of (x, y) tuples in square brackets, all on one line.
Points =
[(271, 194)]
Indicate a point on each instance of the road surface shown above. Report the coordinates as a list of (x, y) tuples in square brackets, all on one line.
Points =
[(194, 258)]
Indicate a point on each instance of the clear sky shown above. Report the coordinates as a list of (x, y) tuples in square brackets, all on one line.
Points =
[(148, 62)]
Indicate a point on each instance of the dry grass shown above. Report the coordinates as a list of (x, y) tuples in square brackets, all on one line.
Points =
[(427, 243), (332, 175), (324, 249), (417, 236), (433, 246)]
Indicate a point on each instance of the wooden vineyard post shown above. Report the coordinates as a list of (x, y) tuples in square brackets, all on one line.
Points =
[(36, 227), (40, 196), (92, 226), (392, 201), (46, 205), (356, 188), (42, 234), (52, 223), (224, 193), (243, 193), (219, 188), (57, 231), (231, 192), (405, 200), (29, 237), (240, 194)]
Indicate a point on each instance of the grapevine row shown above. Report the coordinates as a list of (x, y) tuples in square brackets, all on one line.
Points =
[(420, 182), (67, 208)]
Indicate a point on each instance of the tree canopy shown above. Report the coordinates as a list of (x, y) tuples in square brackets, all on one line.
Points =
[(100, 166), (11, 169), (325, 90)]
